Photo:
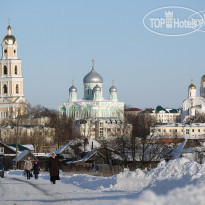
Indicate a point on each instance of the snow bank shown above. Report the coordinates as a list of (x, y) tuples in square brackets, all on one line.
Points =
[(178, 182), (166, 176), (175, 173)]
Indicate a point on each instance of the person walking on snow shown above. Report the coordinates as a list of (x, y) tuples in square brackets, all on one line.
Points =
[(54, 167), (36, 169), (27, 167)]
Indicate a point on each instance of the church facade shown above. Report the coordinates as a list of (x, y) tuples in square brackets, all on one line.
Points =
[(194, 105), (93, 105), (12, 100), (95, 117)]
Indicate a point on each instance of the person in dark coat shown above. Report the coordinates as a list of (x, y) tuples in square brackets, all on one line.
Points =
[(36, 169), (54, 168)]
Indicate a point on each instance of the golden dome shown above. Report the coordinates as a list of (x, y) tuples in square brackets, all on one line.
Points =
[(203, 79), (192, 86), (10, 39)]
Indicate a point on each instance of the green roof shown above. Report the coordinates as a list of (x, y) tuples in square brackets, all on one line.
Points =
[(20, 147), (160, 108), (174, 111)]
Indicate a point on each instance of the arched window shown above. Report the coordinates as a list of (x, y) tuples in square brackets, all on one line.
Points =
[(15, 69), (88, 91), (17, 89), (5, 88), (5, 70)]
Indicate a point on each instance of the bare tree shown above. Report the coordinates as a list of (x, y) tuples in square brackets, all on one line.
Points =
[(145, 148), (198, 118)]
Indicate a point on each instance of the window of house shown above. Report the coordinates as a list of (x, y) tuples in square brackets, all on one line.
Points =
[(192, 130), (198, 130), (5, 51), (101, 132), (15, 69), (1, 150), (108, 129), (187, 131), (5, 70)]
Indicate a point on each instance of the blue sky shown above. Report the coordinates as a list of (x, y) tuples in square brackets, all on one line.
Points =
[(58, 39)]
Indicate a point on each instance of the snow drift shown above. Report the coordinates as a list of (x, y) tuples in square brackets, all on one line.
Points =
[(180, 181)]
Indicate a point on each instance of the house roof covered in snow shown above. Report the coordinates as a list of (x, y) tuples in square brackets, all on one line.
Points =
[(24, 154)]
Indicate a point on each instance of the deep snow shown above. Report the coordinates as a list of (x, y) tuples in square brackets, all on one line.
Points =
[(179, 181)]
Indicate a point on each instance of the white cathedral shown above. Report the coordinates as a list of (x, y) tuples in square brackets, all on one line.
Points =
[(194, 105), (93, 105)]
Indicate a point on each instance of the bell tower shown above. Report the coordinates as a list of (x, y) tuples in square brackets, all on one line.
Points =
[(11, 80)]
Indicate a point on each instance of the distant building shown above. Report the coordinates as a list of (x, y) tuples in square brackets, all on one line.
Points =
[(95, 116), (12, 100), (165, 115), (132, 111), (179, 129), (43, 135), (194, 105), (100, 128), (93, 105)]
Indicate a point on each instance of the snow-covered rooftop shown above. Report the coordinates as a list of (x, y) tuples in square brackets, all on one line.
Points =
[(21, 155), (181, 125)]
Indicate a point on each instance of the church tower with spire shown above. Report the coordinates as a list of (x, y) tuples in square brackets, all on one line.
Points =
[(12, 100)]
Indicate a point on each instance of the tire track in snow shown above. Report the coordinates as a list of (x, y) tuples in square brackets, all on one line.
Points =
[(52, 196), (3, 189), (34, 185)]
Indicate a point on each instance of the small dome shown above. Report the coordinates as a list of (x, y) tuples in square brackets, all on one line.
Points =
[(10, 39), (97, 88), (72, 89), (192, 86), (92, 77), (203, 79), (113, 89)]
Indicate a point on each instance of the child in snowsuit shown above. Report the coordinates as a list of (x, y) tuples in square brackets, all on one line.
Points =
[(36, 169)]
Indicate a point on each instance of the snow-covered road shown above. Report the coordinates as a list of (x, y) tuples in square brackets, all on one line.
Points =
[(179, 182), (18, 190)]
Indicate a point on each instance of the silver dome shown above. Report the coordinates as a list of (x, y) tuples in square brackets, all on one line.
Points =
[(97, 88), (113, 89), (72, 89), (92, 77)]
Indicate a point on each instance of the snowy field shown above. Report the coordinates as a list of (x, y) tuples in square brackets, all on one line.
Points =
[(179, 181)]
